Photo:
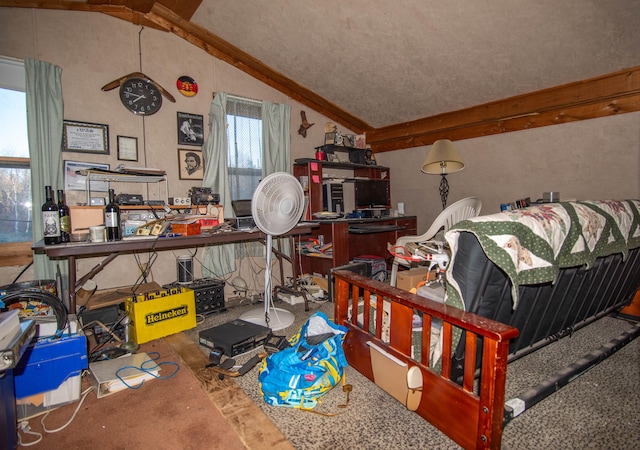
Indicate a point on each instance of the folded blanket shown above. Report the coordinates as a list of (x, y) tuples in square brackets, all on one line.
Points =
[(532, 244)]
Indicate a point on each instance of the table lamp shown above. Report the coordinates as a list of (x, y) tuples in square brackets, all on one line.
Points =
[(443, 158)]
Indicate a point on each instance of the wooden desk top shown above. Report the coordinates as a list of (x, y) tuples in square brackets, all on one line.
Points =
[(88, 249)]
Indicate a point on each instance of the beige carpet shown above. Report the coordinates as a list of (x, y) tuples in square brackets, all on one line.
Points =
[(599, 410), (163, 413)]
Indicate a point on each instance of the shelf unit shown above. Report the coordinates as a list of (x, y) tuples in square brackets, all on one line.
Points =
[(125, 178), (310, 173), (346, 245)]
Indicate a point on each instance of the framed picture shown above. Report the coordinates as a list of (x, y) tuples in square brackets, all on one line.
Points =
[(191, 164), (127, 148), (73, 181), (84, 137), (190, 129)]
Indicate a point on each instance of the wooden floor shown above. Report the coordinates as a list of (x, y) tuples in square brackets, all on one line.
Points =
[(253, 427)]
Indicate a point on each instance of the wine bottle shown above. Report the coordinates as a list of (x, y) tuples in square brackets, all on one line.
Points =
[(112, 218), (65, 218), (50, 219)]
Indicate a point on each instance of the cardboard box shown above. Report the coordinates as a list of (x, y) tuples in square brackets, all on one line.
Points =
[(159, 314), (115, 296), (408, 279), (186, 229)]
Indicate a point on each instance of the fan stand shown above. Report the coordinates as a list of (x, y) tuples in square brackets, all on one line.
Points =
[(269, 316), (276, 206)]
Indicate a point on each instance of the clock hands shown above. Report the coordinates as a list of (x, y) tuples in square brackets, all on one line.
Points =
[(139, 96)]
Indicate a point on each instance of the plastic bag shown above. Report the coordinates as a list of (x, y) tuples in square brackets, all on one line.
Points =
[(298, 376)]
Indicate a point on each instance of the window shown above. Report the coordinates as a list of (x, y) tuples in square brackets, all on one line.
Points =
[(15, 173), (244, 134)]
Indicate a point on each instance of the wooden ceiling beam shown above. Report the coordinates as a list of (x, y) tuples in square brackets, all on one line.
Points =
[(611, 94), (607, 95), (224, 51), (183, 8)]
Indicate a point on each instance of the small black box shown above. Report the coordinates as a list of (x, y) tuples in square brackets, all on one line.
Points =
[(235, 337), (208, 294)]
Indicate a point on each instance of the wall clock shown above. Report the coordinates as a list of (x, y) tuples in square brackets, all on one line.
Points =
[(139, 93), (140, 96)]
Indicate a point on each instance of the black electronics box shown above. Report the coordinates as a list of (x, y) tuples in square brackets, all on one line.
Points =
[(203, 196), (208, 294), (242, 223), (235, 337), (129, 199)]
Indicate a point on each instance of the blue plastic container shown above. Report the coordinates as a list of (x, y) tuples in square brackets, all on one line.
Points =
[(49, 363)]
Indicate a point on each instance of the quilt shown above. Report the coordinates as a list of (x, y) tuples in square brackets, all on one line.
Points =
[(532, 244)]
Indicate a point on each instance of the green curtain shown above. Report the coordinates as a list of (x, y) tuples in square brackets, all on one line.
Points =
[(45, 113), (276, 147), (276, 139), (218, 260)]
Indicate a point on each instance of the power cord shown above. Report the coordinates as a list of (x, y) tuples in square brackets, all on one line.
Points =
[(28, 295), (25, 428)]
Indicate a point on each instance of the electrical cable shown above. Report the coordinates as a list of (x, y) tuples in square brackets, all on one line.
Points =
[(148, 370), (22, 272), (24, 427), (56, 305)]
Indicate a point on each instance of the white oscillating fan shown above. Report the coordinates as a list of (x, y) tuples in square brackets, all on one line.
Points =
[(277, 206)]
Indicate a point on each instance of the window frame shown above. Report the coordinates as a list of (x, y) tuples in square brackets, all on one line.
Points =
[(235, 172), (14, 253)]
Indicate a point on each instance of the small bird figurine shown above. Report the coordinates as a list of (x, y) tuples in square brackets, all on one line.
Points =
[(305, 125)]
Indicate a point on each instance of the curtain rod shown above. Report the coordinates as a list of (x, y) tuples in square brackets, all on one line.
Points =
[(246, 99)]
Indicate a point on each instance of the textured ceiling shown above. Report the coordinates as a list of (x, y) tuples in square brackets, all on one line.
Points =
[(393, 61)]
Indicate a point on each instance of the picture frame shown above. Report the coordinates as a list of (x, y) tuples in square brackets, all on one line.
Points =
[(127, 148), (191, 164), (190, 129), (73, 181), (85, 137)]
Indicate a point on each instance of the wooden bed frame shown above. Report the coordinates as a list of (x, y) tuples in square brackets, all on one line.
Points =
[(472, 417), (515, 283)]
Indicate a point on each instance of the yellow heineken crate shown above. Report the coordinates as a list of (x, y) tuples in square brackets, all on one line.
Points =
[(157, 314)]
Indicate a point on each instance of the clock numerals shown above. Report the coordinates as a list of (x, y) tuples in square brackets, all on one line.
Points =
[(140, 96)]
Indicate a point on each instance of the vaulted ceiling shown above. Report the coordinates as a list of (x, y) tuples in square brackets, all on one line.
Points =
[(413, 71)]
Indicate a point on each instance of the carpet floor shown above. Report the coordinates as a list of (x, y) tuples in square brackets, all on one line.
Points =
[(196, 410), (599, 410), (164, 413)]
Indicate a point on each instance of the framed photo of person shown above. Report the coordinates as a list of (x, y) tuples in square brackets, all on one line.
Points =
[(191, 164), (190, 129)]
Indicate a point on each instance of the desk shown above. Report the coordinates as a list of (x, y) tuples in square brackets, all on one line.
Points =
[(357, 237), (111, 250)]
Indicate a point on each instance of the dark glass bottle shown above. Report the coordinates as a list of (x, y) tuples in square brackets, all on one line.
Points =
[(112, 218), (65, 218), (50, 218)]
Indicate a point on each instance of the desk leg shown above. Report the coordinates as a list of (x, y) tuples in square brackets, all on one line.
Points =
[(294, 271), (71, 261)]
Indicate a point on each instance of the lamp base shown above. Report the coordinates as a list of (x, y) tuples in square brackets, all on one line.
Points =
[(278, 318), (444, 190)]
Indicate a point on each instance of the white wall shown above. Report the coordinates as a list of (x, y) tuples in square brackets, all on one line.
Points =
[(590, 159), (597, 158), (94, 49)]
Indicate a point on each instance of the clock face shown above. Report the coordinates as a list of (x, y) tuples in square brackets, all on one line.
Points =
[(140, 96)]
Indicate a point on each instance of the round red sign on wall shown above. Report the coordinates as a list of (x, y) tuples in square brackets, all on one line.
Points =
[(187, 86)]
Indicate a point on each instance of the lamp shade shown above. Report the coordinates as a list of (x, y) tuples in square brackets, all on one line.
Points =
[(443, 158)]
